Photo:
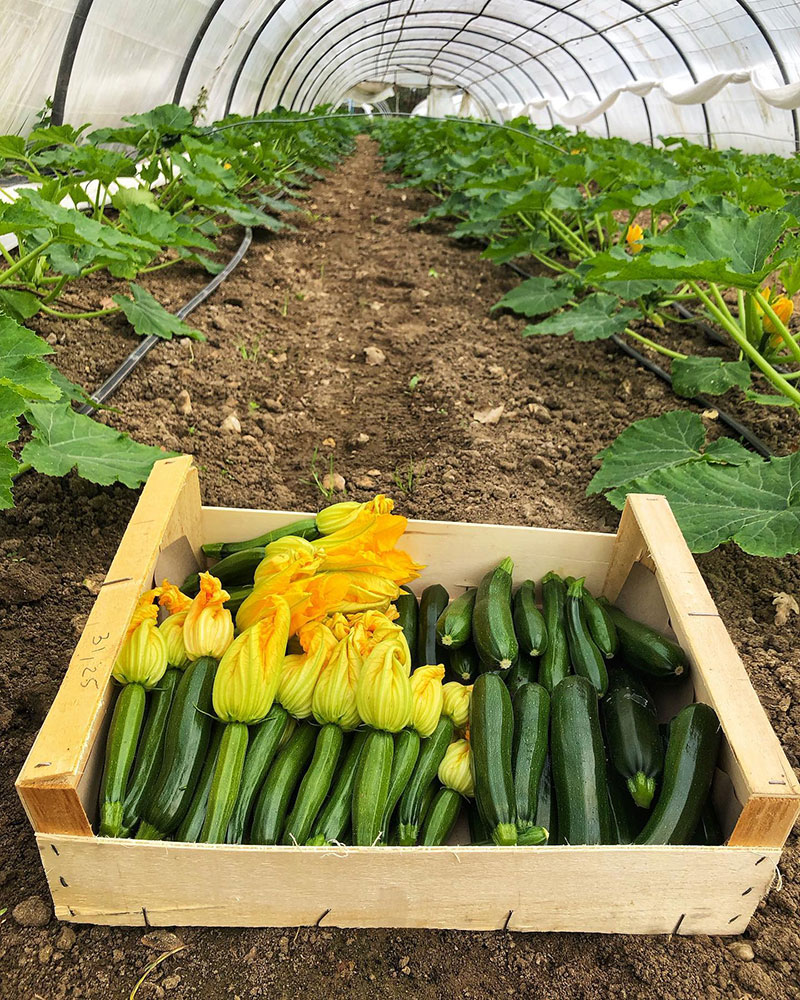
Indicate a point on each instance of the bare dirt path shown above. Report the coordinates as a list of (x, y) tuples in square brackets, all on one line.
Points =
[(290, 340)]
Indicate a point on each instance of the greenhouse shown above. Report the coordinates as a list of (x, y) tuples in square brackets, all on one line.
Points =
[(400, 498)]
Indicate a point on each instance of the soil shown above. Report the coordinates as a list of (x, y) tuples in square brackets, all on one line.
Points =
[(287, 354)]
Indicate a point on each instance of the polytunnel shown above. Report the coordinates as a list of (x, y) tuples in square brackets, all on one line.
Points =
[(718, 72)]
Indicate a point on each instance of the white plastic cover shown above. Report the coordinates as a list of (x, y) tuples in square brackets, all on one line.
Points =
[(723, 72)]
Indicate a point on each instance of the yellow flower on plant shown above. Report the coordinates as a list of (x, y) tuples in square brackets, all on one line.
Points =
[(427, 696), (300, 671), (383, 691), (208, 629), (782, 306), (455, 770), (634, 237)]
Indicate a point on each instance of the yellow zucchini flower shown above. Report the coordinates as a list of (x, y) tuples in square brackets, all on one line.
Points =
[(455, 771), (634, 237), (283, 568), (143, 657), (339, 515), (339, 624), (783, 307), (145, 611), (456, 702), (334, 698), (248, 674), (171, 598), (427, 695), (367, 530), (383, 692), (363, 592), (301, 671), (395, 565), (208, 629), (172, 630)]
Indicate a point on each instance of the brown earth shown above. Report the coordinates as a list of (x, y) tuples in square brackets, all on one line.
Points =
[(286, 353)]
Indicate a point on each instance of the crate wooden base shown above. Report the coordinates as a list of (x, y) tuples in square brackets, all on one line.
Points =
[(646, 567)]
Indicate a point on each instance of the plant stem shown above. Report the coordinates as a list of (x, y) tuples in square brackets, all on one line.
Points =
[(654, 346), (79, 315), (26, 259), (780, 326)]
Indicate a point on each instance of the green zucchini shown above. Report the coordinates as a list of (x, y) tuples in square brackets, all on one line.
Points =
[(634, 743), (192, 823), (601, 625), (491, 726), (463, 664), (627, 819), (238, 595), (441, 818), (546, 809), (579, 764), (406, 752), (331, 824), (371, 787), (694, 738), (529, 623), (554, 665), (225, 784), (427, 801), (645, 648), (586, 658), (432, 603), (523, 672), (408, 619), (454, 626), (186, 742), (148, 756), (304, 528), (534, 836), (281, 780), (263, 744), (121, 743), (531, 707), (236, 568), (708, 832), (431, 754), (492, 622), (315, 785)]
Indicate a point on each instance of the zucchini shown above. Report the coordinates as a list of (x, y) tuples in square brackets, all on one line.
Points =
[(601, 625), (238, 595), (523, 672), (627, 819), (646, 648), (185, 746), (427, 800), (225, 784), (531, 707), (586, 658), (408, 619), (236, 568), (708, 831), (432, 603), (529, 623), (315, 785), (148, 756), (491, 725), (554, 665), (534, 836), (431, 754), (265, 738), (305, 528), (546, 810), (688, 769), (478, 831), (441, 817), (454, 626), (464, 664), (281, 780), (121, 743), (634, 743), (192, 823), (331, 824), (406, 752), (492, 623), (371, 788), (579, 764)]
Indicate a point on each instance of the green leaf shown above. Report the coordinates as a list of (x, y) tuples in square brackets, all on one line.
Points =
[(12, 147), (21, 367), (726, 451), (19, 305), (712, 375), (648, 445), (64, 440), (536, 296), (767, 399), (147, 316), (593, 318), (164, 118), (126, 197)]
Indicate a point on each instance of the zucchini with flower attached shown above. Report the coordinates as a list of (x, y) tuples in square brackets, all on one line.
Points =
[(491, 728), (492, 622), (303, 528), (554, 665), (455, 775), (454, 625)]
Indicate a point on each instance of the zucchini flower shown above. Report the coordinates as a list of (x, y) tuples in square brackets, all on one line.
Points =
[(171, 598), (363, 592), (634, 237), (143, 657), (427, 698), (177, 604), (301, 671), (334, 698), (367, 530), (144, 611), (208, 629), (455, 771), (248, 674), (339, 624), (394, 565), (339, 515), (456, 699), (383, 692), (286, 565), (783, 307)]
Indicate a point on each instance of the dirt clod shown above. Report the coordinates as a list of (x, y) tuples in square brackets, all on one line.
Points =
[(32, 912)]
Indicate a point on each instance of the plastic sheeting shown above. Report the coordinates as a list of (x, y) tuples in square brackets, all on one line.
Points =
[(722, 72)]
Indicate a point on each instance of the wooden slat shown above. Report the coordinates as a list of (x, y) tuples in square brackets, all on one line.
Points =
[(650, 890)]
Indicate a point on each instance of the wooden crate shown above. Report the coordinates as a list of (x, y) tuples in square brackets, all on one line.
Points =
[(646, 566)]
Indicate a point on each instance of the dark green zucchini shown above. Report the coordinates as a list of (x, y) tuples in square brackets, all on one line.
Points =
[(491, 727), (492, 622), (406, 752), (148, 756), (237, 568), (121, 743), (634, 743), (554, 665), (524, 671), (225, 784), (601, 625), (534, 836), (431, 754), (586, 658), (529, 623), (441, 818), (454, 625), (463, 663), (546, 810), (432, 603), (281, 780), (315, 785), (371, 787), (331, 824), (694, 738), (478, 831), (192, 823), (628, 820), (708, 831), (531, 707), (579, 765), (408, 619), (304, 528), (265, 738), (645, 648)]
